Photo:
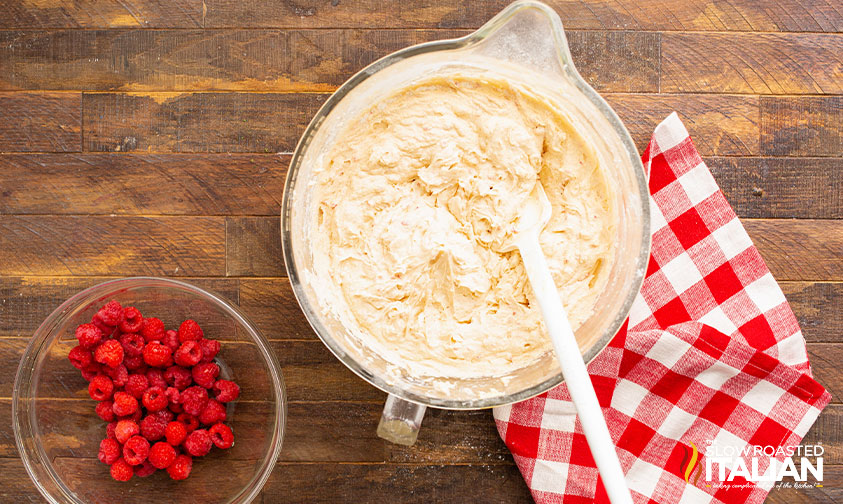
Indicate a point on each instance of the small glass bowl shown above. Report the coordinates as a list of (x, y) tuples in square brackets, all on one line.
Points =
[(58, 433)]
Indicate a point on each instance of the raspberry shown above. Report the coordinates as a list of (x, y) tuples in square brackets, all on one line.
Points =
[(188, 354), (221, 435), (214, 412), (144, 469), (161, 455), (190, 422), (171, 339), (110, 353), (153, 427), (119, 375), (136, 385), (193, 400), (124, 404), (111, 314), (154, 399), (132, 320), (156, 378), (189, 330), (93, 369), (135, 363), (180, 468), (109, 451), (89, 336), (206, 374), (178, 377), (135, 450), (111, 430), (104, 410), (198, 443), (125, 429), (176, 408), (173, 395), (152, 329), (100, 388), (175, 433), (80, 358), (135, 417), (132, 344), (121, 471), (226, 390), (157, 355), (97, 322), (210, 349)]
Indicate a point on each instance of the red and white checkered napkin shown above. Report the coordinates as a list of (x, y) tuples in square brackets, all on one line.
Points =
[(712, 353)]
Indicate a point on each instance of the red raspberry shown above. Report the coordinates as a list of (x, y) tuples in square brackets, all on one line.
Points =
[(100, 388), (226, 390), (144, 469), (152, 329), (135, 450), (111, 430), (110, 353), (191, 423), (121, 471), (221, 436), (126, 429), (189, 330), (132, 320), (132, 344), (104, 410), (198, 443), (188, 354), (173, 395), (162, 454), (80, 358), (93, 369), (171, 339), (210, 349), (135, 364), (157, 355), (89, 336), (135, 417), (154, 399), (153, 427), (193, 400), (214, 412), (156, 378), (180, 468), (175, 433), (136, 385), (97, 322), (119, 375), (111, 314), (205, 374), (178, 377), (124, 404), (109, 451), (176, 408)]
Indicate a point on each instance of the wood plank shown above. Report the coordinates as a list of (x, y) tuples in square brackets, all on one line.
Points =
[(268, 60), (271, 305), (50, 122), (825, 361), (108, 184), (809, 250), (802, 126), (767, 63), (253, 246), (831, 492), (818, 307), (717, 15), (100, 245), (197, 122), (765, 187), (827, 431), (41, 14)]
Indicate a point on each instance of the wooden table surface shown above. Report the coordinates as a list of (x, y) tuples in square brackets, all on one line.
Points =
[(141, 137)]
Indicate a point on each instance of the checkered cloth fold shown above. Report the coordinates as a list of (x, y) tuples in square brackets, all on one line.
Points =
[(711, 352)]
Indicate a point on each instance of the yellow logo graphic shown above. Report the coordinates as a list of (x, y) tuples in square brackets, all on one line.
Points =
[(690, 461)]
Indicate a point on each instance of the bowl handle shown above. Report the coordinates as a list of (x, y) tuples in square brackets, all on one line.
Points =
[(400, 421)]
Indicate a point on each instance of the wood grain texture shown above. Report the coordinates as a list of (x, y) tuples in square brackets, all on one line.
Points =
[(50, 122), (756, 63), (802, 126), (107, 184), (43, 14), (830, 493), (809, 250), (819, 308), (253, 246), (825, 364)]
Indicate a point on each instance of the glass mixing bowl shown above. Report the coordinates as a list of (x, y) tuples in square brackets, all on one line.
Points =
[(58, 433), (524, 44)]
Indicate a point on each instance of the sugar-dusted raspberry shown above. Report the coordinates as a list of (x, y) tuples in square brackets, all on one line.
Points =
[(162, 454), (89, 336), (80, 357), (100, 388), (171, 339), (191, 423), (156, 378), (124, 404), (226, 390), (145, 469), (133, 344), (152, 329), (221, 435), (193, 400), (188, 354), (205, 374), (94, 369), (110, 353), (136, 385), (198, 443), (178, 377), (126, 429), (180, 468), (157, 355), (111, 430), (175, 433), (214, 412), (154, 399), (121, 470), (111, 313), (104, 410), (210, 349), (135, 364), (189, 330), (109, 451), (132, 320), (135, 450), (173, 396), (119, 375)]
